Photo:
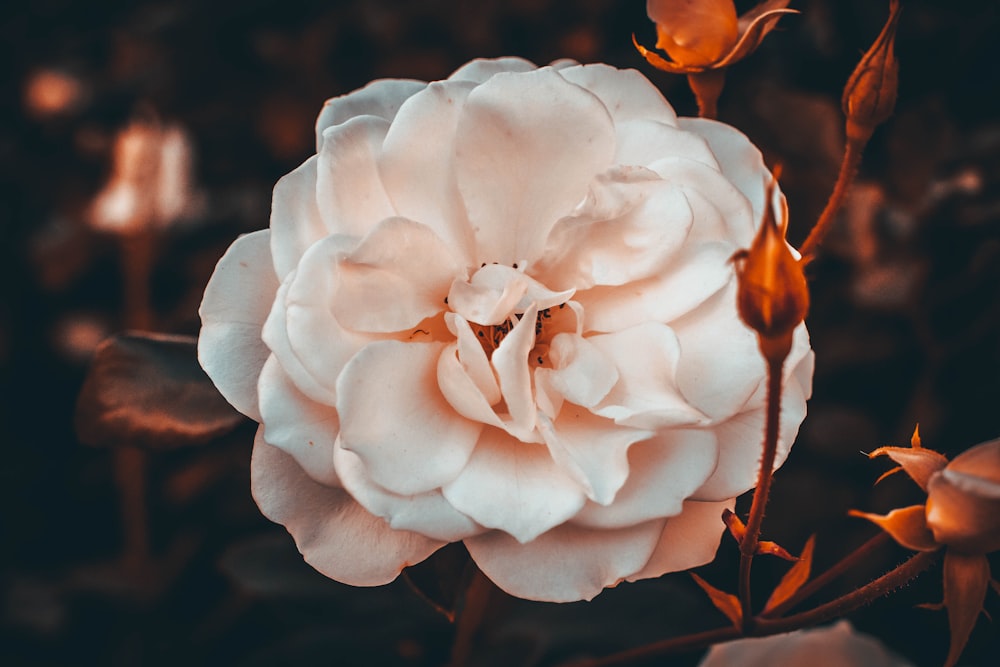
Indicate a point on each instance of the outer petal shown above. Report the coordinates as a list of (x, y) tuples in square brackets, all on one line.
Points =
[(566, 564), (688, 540), (643, 142), (663, 472), (417, 164), (334, 533), (349, 189), (298, 425), (236, 303), (630, 225), (393, 416), (296, 222), (397, 276), (527, 147), (380, 98), (481, 69), (626, 93), (515, 487), (426, 513)]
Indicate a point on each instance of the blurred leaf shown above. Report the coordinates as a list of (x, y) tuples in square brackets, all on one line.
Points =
[(148, 390), (727, 603), (442, 579), (794, 578)]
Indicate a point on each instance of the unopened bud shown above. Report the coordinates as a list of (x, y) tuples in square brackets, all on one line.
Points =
[(963, 501), (870, 94), (694, 32), (772, 295)]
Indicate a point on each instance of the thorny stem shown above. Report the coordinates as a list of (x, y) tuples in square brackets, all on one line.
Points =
[(848, 168), (748, 545), (815, 585), (895, 578)]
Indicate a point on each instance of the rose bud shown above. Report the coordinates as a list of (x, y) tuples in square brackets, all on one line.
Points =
[(773, 297), (694, 32), (963, 501), (870, 94)]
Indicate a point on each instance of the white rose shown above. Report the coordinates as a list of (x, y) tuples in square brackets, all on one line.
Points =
[(500, 309)]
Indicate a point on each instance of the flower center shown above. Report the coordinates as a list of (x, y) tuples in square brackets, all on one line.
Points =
[(548, 322)]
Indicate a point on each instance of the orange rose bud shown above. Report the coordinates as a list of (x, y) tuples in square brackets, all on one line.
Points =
[(870, 94), (694, 32), (963, 501), (772, 294)]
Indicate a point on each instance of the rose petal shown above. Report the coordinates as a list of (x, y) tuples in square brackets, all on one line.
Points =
[(393, 416), (646, 394), (510, 361), (663, 472), (397, 276), (514, 486), (349, 190), (697, 274), (593, 450), (425, 513), (626, 94), (237, 301), (644, 142), (333, 533), (380, 98), (474, 360), (629, 227), (527, 147), (296, 222), (688, 540), (581, 373), (417, 165), (566, 564), (481, 69), (298, 425), (461, 391)]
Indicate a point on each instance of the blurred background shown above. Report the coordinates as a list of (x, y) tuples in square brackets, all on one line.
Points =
[(905, 318)]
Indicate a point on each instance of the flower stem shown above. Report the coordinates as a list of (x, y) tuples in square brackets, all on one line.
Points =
[(848, 168), (707, 87), (817, 584), (748, 545), (470, 618)]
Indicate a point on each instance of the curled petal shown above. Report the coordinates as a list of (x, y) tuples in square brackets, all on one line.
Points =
[(906, 525), (688, 540), (237, 301), (626, 94), (580, 372), (510, 361), (393, 416), (333, 533), (482, 69), (296, 222), (381, 98), (754, 26), (567, 563)]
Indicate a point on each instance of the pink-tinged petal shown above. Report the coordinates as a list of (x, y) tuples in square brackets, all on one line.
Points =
[(297, 425), (646, 394), (720, 366), (473, 358), (626, 94), (332, 531), (397, 276), (593, 450), (349, 190), (581, 373), (462, 392), (275, 336), (425, 513), (643, 142), (496, 291), (381, 98), (296, 222), (481, 69), (514, 486), (663, 472), (631, 224), (527, 147), (416, 164), (741, 443), (237, 301), (566, 564), (697, 274), (393, 416), (723, 212), (740, 161), (688, 540), (318, 341), (510, 361)]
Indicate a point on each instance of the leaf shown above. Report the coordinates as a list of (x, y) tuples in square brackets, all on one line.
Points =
[(794, 578), (148, 390), (735, 525), (965, 581), (727, 603), (767, 548), (441, 579), (907, 525)]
